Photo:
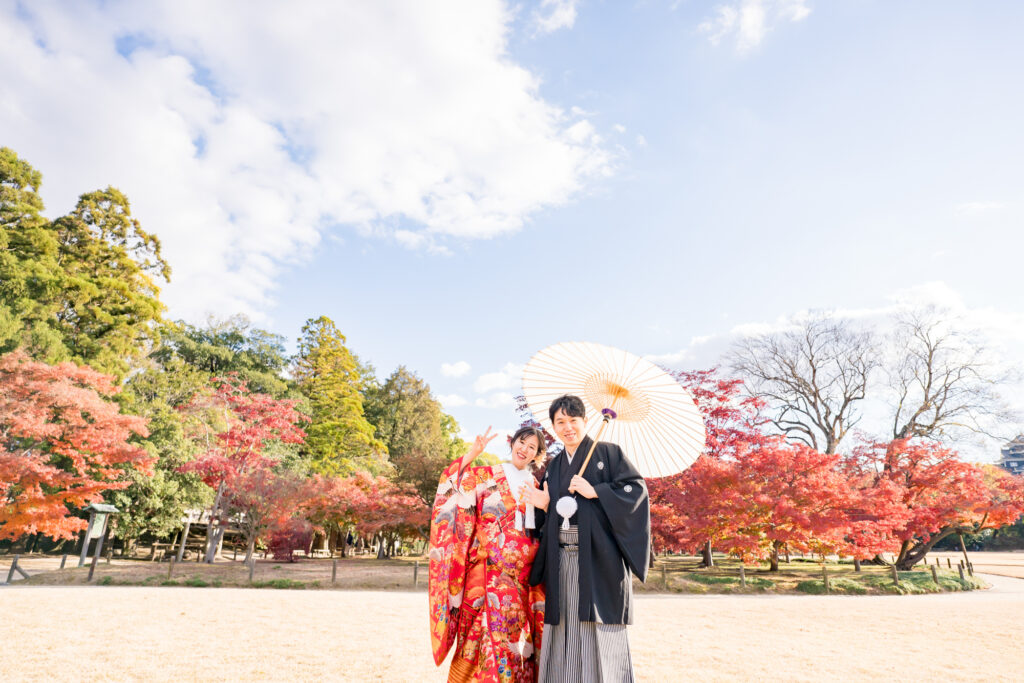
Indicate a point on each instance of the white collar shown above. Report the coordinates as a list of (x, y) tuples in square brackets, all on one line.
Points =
[(516, 478)]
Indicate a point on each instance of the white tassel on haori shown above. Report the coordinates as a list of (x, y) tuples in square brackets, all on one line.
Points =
[(531, 522), (519, 520), (566, 507)]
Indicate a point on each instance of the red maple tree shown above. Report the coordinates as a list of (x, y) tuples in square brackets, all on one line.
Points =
[(62, 443), (238, 427), (937, 494)]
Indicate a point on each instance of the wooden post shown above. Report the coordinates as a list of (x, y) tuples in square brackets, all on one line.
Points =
[(970, 569), (664, 577), (170, 569), (99, 545), (14, 567), (824, 578), (963, 547), (63, 560), (85, 541), (334, 571), (961, 568), (856, 564), (92, 566), (895, 576), (184, 539), (743, 576), (416, 574), (935, 575), (949, 563)]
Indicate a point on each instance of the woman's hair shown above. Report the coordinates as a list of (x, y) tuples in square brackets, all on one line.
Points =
[(524, 432)]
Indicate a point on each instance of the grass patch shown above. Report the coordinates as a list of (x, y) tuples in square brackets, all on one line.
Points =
[(839, 586), (169, 582), (760, 584), (919, 582), (106, 581), (712, 579), (279, 583), (196, 582)]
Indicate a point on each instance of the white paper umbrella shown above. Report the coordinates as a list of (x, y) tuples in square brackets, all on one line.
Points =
[(653, 419)]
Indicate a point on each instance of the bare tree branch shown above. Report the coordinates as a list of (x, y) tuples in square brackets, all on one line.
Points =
[(813, 377), (942, 381)]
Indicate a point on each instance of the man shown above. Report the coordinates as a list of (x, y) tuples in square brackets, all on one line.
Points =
[(585, 561)]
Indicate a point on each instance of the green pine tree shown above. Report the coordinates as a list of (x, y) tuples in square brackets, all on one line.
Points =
[(339, 439)]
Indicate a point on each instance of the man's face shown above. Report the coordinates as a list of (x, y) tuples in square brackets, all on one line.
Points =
[(569, 429)]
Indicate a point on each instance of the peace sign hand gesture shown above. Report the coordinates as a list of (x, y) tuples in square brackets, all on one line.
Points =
[(479, 444)]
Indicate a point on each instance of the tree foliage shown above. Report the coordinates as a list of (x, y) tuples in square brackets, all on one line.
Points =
[(229, 346), (339, 439), (156, 504), (420, 438), (62, 444), (936, 494), (82, 287), (238, 428)]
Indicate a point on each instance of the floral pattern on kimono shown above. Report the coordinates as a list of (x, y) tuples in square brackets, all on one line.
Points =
[(480, 598)]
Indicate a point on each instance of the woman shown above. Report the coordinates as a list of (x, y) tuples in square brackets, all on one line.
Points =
[(481, 551)]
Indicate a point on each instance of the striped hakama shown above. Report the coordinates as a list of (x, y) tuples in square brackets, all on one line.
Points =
[(580, 652)]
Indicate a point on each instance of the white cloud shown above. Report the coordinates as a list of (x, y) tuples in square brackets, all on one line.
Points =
[(498, 400), (749, 21), (554, 15), (244, 132), (641, 141), (979, 207), (509, 377), (450, 401), (619, 128), (458, 369), (420, 241)]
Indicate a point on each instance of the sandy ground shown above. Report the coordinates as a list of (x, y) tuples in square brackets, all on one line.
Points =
[(135, 633)]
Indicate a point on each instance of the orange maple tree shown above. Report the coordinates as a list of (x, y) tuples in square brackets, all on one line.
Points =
[(62, 444)]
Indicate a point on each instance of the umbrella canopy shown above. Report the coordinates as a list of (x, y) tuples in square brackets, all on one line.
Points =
[(658, 424)]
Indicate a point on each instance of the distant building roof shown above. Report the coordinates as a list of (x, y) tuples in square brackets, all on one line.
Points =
[(1013, 456)]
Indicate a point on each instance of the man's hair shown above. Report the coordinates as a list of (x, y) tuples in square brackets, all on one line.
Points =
[(568, 404)]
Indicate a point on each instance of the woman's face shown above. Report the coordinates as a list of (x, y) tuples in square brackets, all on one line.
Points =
[(524, 450)]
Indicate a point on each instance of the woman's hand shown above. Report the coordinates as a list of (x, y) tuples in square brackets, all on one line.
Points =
[(479, 444), (536, 497)]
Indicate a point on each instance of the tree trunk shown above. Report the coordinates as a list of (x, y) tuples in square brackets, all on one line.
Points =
[(250, 548), (707, 560), (774, 558), (211, 530), (912, 554)]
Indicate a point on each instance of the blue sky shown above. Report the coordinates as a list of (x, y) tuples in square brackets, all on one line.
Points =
[(468, 183)]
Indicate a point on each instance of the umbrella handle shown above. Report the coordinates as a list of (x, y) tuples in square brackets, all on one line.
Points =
[(607, 415)]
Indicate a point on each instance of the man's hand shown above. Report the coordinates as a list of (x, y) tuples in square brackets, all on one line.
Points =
[(536, 497), (581, 486)]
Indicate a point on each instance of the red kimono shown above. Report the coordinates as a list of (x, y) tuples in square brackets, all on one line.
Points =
[(480, 597)]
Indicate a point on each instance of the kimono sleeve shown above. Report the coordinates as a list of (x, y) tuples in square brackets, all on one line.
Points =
[(452, 527), (625, 503)]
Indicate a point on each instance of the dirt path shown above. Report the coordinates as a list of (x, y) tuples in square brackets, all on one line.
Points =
[(205, 634)]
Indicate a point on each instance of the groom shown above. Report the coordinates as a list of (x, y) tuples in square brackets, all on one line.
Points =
[(585, 560)]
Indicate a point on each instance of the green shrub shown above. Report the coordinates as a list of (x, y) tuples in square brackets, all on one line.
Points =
[(710, 579), (279, 583), (106, 581)]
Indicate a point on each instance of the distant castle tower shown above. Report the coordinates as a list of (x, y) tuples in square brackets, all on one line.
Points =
[(1013, 456)]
